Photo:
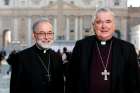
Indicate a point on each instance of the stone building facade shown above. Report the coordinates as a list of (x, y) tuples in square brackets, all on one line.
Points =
[(134, 26), (71, 20)]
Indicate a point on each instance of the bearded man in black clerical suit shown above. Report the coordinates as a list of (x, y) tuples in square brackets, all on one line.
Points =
[(38, 69), (102, 63)]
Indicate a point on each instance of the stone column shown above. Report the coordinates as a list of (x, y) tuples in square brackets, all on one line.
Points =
[(0, 23), (81, 27), (15, 32), (55, 28), (124, 28), (76, 28), (1, 34), (67, 28), (29, 40)]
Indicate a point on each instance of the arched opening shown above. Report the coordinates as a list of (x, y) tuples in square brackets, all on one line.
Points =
[(6, 38)]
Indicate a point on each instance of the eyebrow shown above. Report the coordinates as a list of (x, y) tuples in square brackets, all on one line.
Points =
[(105, 20), (108, 20), (45, 31)]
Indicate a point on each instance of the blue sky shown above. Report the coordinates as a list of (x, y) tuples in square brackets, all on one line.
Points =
[(135, 3)]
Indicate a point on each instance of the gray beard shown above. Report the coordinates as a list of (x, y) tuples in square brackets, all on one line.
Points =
[(44, 46), (40, 47)]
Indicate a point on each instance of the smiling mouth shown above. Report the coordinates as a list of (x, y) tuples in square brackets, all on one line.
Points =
[(104, 31), (47, 41)]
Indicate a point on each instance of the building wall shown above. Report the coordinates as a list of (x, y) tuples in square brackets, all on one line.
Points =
[(71, 19), (79, 3), (135, 36)]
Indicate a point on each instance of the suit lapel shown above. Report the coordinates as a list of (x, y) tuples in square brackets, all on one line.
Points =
[(87, 57), (116, 65), (85, 62)]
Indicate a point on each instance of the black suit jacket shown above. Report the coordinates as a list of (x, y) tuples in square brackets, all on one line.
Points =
[(29, 76), (124, 77)]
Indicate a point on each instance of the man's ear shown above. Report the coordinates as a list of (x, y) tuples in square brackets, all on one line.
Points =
[(33, 36)]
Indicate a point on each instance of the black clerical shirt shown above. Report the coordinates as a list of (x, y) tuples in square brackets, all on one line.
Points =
[(45, 65), (97, 84)]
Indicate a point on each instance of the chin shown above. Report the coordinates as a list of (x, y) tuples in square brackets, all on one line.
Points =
[(107, 37), (45, 45), (104, 37)]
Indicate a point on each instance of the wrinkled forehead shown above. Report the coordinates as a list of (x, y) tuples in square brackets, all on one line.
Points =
[(44, 26), (47, 24), (101, 13), (41, 23), (104, 15)]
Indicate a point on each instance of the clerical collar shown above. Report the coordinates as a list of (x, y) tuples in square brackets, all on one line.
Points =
[(103, 42), (41, 48)]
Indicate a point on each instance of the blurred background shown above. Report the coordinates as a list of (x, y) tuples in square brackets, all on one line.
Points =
[(71, 20)]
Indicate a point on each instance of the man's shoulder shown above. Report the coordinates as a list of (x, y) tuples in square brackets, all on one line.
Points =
[(87, 39), (25, 51), (124, 44)]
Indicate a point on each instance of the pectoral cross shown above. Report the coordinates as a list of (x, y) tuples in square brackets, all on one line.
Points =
[(105, 73), (49, 77)]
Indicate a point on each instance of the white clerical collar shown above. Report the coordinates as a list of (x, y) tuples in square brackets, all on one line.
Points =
[(41, 48), (44, 51), (103, 42)]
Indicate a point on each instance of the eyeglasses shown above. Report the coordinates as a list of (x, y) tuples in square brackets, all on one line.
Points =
[(43, 34)]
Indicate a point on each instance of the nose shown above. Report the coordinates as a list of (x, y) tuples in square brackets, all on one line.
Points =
[(103, 25), (48, 38)]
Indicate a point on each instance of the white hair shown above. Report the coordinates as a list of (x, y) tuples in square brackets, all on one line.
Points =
[(102, 10), (37, 22)]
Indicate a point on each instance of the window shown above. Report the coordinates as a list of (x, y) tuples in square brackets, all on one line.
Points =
[(36, 2), (6, 2), (87, 30), (72, 30), (60, 37), (72, 2), (50, 2), (117, 2), (87, 2)]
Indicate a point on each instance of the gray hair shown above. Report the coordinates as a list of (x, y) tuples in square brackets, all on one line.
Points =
[(37, 22), (102, 10)]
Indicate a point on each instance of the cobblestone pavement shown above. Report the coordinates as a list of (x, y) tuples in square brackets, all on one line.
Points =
[(4, 78)]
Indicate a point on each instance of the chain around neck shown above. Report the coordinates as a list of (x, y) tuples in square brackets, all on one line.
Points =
[(103, 64), (47, 68)]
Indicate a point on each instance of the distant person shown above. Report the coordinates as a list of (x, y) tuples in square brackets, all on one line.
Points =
[(102, 63), (65, 55), (3, 53), (38, 69), (10, 59), (139, 58), (2, 57), (59, 52)]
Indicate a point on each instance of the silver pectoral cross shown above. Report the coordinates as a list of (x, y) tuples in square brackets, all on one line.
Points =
[(105, 73), (49, 77)]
